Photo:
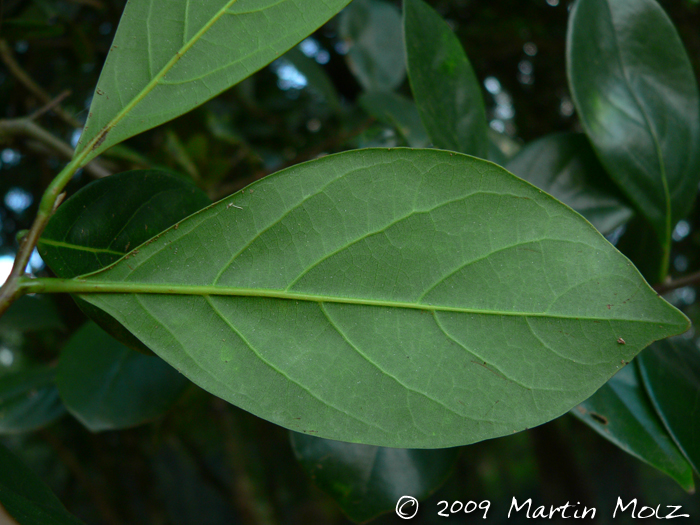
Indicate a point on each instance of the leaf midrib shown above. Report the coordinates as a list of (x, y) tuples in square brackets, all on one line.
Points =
[(84, 286)]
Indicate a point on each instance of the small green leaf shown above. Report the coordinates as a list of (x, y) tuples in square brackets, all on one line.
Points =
[(671, 373), (636, 95), (565, 166), (109, 217), (28, 400), (397, 111), (469, 302), (26, 498), (108, 386), (367, 481), (169, 57), (621, 412), (372, 31), (444, 85)]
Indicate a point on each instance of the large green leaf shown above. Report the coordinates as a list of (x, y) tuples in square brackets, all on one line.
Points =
[(109, 217), (108, 386), (445, 88), (367, 481), (565, 166), (671, 373), (621, 412), (406, 298), (28, 400), (637, 97), (26, 498), (169, 57), (371, 29)]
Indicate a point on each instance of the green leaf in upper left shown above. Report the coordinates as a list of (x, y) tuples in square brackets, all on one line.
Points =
[(169, 57)]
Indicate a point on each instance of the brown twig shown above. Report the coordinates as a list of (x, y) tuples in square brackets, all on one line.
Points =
[(689, 280), (71, 462), (27, 127), (20, 74), (50, 106)]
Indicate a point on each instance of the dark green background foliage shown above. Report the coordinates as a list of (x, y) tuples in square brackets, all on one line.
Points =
[(125, 438)]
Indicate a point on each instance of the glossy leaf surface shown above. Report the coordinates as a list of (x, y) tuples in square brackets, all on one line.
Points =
[(399, 112), (28, 400), (367, 481), (108, 218), (408, 298), (637, 98), (169, 57), (444, 85), (108, 386), (671, 373), (371, 30), (621, 412), (26, 498), (566, 167)]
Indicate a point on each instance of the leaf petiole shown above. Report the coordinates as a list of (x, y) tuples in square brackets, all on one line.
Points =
[(13, 287)]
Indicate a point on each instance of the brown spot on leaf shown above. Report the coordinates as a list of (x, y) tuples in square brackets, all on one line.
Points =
[(599, 419), (101, 138)]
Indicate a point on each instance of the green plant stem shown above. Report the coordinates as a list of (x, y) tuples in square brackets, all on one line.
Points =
[(13, 289), (665, 261)]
